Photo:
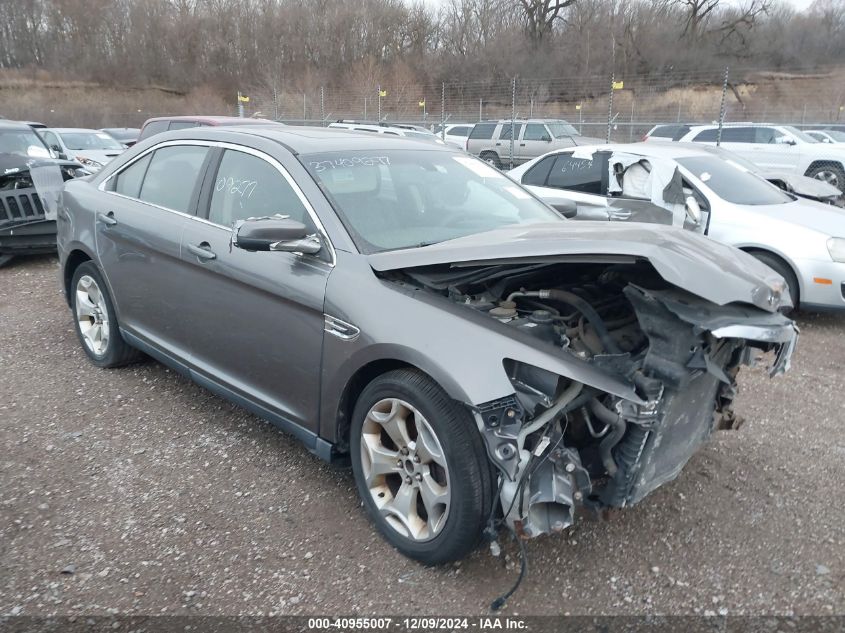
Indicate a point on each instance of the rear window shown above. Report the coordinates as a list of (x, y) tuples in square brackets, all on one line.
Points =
[(458, 131), (184, 125), (483, 131), (675, 132), (153, 127)]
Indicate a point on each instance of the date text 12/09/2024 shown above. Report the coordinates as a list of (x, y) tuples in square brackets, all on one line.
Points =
[(484, 623)]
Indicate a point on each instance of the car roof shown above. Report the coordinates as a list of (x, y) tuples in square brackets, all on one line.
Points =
[(213, 119), (307, 140), (657, 149), (65, 130), (6, 124)]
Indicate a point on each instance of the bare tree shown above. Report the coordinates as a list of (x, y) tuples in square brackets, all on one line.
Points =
[(540, 15)]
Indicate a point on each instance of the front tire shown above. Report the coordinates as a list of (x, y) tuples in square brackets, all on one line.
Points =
[(95, 320), (831, 173), (783, 269), (420, 467)]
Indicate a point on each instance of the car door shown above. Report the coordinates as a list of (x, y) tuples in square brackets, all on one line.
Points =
[(257, 316), (775, 149), (536, 140), (140, 219), (503, 142), (583, 180)]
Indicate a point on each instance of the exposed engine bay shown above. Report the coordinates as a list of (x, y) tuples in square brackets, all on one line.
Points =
[(559, 442)]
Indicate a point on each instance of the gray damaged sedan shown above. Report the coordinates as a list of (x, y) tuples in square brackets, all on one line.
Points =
[(481, 360)]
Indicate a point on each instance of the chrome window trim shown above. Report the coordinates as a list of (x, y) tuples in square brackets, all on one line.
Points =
[(238, 148)]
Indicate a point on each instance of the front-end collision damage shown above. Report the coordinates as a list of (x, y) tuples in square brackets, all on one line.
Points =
[(558, 442)]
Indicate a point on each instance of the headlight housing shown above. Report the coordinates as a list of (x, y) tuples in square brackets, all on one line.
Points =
[(88, 162), (836, 248)]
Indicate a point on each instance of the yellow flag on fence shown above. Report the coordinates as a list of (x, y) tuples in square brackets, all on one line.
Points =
[(422, 103), (382, 93), (618, 85), (243, 98), (578, 106)]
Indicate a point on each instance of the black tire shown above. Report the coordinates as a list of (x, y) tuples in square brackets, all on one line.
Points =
[(471, 477), (784, 270), (116, 352), (492, 158), (832, 169)]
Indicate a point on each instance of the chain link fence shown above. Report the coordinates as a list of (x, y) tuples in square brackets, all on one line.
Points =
[(620, 108)]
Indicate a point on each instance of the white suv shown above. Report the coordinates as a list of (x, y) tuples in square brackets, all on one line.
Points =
[(780, 147)]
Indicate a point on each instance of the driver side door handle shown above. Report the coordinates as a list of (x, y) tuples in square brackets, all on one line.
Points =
[(202, 251), (107, 218)]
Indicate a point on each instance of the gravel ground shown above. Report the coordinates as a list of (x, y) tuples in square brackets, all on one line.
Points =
[(135, 491)]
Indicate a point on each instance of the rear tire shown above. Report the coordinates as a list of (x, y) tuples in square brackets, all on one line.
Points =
[(492, 158), (95, 320), (783, 269), (436, 465)]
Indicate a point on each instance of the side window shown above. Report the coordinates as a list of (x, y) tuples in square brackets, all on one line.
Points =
[(766, 135), (458, 131), (247, 186), (505, 132), (483, 130), (739, 135), (154, 127), (707, 136), (536, 132), (128, 182), (172, 176), (51, 140), (576, 174), (538, 174)]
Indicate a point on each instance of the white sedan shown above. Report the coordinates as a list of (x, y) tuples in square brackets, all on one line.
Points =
[(670, 183)]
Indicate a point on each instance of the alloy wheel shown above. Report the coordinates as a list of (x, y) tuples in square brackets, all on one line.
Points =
[(830, 177), (92, 315), (405, 469)]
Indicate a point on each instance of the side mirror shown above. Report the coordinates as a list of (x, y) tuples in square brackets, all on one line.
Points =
[(278, 233), (784, 140), (567, 208), (693, 209), (56, 149)]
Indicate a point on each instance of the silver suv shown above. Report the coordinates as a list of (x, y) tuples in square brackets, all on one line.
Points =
[(491, 140)]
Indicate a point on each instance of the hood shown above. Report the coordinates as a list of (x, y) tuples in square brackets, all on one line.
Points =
[(803, 185), (817, 216), (15, 163), (703, 267)]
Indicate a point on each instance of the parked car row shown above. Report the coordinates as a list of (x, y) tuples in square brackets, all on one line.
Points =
[(482, 361)]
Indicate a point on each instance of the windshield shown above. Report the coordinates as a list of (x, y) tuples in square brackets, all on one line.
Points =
[(803, 136), (23, 142), (89, 140), (560, 129), (837, 136), (392, 199), (732, 183)]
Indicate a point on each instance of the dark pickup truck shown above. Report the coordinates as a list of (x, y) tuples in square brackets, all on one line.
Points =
[(30, 180)]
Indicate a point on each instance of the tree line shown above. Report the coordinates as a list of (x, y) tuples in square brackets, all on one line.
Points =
[(182, 44)]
